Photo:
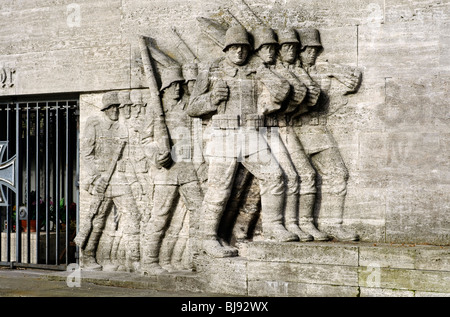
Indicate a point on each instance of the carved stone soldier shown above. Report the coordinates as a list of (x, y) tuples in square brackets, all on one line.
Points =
[(304, 96), (318, 142), (282, 140), (101, 141), (173, 173), (228, 90)]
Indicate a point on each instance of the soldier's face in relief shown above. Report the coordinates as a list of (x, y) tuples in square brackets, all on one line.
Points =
[(288, 52), (135, 110), (237, 54), (173, 91), (190, 86), (267, 52), (308, 55), (125, 111), (112, 113)]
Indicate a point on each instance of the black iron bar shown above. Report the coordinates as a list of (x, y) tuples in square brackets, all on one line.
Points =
[(8, 194), (47, 185), (57, 184), (66, 184), (28, 178), (18, 184), (38, 177)]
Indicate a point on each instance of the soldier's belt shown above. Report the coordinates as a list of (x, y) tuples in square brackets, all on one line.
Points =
[(228, 122), (275, 121), (309, 119)]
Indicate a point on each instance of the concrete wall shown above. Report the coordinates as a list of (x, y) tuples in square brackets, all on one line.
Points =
[(393, 134)]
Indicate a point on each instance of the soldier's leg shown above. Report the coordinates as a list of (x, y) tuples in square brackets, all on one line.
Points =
[(308, 188), (331, 167), (242, 181), (272, 188), (288, 141), (163, 203), (220, 182), (248, 212), (98, 224), (130, 218), (192, 197), (172, 236)]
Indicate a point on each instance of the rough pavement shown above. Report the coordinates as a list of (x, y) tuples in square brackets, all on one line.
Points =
[(41, 283)]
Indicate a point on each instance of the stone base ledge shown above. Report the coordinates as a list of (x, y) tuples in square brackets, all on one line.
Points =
[(305, 270), (330, 269)]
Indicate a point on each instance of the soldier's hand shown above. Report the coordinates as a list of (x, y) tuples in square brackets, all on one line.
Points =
[(165, 159), (137, 190), (314, 93), (219, 93), (299, 94), (101, 185), (350, 77), (282, 92)]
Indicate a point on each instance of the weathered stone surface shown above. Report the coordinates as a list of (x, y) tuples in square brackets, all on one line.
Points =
[(305, 253), (420, 280), (284, 289), (303, 273), (223, 275), (392, 134)]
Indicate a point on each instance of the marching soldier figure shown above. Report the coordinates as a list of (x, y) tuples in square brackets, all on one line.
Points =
[(318, 142), (304, 96), (282, 140), (228, 90), (105, 155), (173, 173)]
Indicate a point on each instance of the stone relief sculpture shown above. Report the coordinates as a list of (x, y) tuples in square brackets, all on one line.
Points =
[(184, 165), (105, 151)]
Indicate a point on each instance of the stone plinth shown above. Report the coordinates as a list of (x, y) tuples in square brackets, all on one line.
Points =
[(331, 269)]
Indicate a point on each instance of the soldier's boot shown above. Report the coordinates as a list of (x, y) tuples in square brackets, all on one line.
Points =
[(211, 244), (89, 262), (150, 265), (291, 218), (166, 252), (133, 253), (333, 210), (272, 219), (306, 221)]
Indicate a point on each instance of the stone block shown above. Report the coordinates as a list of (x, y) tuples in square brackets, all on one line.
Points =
[(302, 273), (387, 256), (384, 49), (433, 258), (222, 275), (405, 279), (305, 253), (292, 289), (384, 292)]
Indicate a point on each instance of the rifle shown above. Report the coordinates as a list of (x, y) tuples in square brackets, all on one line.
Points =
[(161, 134), (85, 230), (184, 49)]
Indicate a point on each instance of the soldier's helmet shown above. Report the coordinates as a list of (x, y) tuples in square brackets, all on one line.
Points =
[(136, 97), (109, 99), (170, 75), (124, 98), (287, 36), (190, 71), (236, 35), (262, 36), (309, 37)]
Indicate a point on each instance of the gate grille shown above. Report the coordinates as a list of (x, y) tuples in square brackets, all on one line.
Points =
[(39, 183)]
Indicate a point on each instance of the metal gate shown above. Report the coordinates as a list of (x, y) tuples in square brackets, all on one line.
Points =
[(39, 196)]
